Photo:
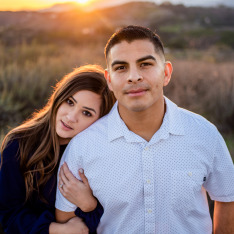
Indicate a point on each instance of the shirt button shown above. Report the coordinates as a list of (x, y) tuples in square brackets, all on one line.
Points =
[(148, 181), (149, 211), (146, 148), (190, 173)]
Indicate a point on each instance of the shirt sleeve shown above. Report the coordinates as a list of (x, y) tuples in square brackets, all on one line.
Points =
[(17, 216), (71, 157), (219, 183)]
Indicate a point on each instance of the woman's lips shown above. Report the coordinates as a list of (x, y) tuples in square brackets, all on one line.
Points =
[(67, 127)]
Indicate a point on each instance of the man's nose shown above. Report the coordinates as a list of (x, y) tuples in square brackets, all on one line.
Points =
[(134, 76)]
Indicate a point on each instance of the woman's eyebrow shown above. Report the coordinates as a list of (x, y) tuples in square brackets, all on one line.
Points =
[(73, 99), (88, 108)]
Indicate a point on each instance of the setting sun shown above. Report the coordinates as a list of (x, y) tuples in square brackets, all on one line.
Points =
[(82, 1), (14, 5)]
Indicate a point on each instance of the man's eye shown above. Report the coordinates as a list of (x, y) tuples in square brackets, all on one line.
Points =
[(69, 102), (145, 64), (87, 113), (120, 68)]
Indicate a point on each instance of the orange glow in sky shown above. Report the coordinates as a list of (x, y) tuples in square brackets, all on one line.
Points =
[(82, 1), (15, 5)]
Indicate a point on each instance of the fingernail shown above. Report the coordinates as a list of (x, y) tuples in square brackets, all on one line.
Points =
[(81, 170)]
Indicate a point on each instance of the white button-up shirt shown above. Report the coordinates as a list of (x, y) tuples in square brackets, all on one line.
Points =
[(157, 186)]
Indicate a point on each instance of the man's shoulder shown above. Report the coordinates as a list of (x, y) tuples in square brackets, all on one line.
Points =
[(97, 129), (196, 121), (188, 119), (99, 126), (91, 138)]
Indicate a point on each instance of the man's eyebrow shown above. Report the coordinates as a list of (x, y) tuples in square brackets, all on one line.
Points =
[(118, 62), (145, 58), (138, 60), (73, 99), (88, 108)]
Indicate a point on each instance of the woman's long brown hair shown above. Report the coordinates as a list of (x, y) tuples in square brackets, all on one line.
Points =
[(38, 141)]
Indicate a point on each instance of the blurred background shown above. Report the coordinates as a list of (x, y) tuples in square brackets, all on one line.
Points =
[(42, 41)]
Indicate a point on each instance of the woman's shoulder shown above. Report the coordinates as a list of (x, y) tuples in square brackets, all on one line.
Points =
[(11, 146), (11, 151)]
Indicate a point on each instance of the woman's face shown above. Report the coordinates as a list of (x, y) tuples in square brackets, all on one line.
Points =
[(76, 114)]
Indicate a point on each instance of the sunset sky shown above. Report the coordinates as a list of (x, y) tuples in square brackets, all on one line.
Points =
[(15, 5)]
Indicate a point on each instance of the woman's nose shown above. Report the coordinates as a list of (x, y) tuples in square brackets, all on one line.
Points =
[(72, 116)]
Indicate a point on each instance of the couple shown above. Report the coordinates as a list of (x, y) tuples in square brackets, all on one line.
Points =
[(148, 162)]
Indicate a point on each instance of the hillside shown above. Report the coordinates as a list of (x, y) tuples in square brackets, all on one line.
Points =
[(179, 26), (38, 48)]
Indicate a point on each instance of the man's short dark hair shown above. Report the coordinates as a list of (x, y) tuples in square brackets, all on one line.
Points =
[(132, 33)]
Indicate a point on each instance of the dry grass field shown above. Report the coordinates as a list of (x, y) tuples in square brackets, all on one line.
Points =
[(201, 82)]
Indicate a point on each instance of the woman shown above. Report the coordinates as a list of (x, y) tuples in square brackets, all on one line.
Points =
[(31, 152)]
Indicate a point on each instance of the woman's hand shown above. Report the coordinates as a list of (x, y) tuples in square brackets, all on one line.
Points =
[(74, 226), (76, 191)]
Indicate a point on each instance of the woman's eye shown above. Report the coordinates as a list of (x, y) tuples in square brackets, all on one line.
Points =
[(87, 113), (69, 102)]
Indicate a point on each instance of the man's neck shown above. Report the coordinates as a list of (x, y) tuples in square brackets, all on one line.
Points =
[(147, 122)]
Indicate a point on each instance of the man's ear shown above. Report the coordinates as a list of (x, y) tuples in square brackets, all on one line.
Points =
[(108, 79), (167, 73)]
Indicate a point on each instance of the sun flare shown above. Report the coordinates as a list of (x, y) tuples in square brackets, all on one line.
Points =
[(83, 1)]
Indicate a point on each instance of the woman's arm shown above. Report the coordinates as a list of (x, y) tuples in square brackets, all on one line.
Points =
[(74, 225), (63, 217), (17, 216)]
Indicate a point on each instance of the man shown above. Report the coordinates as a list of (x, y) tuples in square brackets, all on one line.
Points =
[(149, 162)]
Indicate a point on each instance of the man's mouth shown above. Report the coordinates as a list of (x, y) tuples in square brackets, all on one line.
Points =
[(136, 92)]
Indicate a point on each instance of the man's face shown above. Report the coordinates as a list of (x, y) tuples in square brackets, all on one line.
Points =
[(136, 74)]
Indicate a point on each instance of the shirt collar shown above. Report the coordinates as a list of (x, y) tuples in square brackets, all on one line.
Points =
[(172, 124), (117, 128)]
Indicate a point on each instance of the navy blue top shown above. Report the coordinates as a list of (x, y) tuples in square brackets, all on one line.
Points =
[(33, 216)]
